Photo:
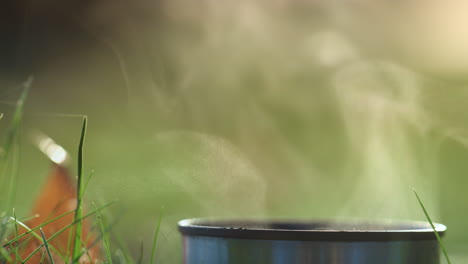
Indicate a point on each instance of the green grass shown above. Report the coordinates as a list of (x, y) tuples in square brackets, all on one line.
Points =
[(8, 175), (22, 224), (47, 247), (123, 249), (17, 256), (441, 243), (155, 237), (105, 237), (77, 245), (31, 230), (66, 228), (142, 252), (10, 151), (16, 122)]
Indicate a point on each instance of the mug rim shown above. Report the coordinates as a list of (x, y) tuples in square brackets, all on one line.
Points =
[(311, 230)]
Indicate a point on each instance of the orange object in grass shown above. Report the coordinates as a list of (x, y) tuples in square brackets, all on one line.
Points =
[(57, 197)]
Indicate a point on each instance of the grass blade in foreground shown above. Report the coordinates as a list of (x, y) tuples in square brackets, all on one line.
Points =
[(16, 235), (46, 246), (105, 237), (155, 239), (433, 227), (11, 141), (17, 118), (77, 245)]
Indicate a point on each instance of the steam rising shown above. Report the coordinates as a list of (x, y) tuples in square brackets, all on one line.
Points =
[(310, 108), (388, 132), (216, 175)]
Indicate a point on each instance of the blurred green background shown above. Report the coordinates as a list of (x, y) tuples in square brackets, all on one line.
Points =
[(315, 109)]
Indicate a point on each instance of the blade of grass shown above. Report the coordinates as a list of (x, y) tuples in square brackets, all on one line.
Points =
[(12, 186), (84, 251), (433, 227), (119, 255), (27, 218), (99, 238), (105, 237), (124, 249), (95, 242), (90, 245), (87, 181), (142, 250), (17, 117), (17, 256), (70, 239), (77, 246), (5, 255), (155, 238), (3, 225), (47, 247), (11, 141), (42, 257)]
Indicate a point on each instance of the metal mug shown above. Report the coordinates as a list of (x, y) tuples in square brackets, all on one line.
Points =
[(210, 241)]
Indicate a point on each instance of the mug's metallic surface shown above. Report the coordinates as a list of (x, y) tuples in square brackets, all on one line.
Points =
[(249, 242)]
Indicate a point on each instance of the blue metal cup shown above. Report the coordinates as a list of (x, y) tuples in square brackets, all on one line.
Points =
[(209, 241)]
